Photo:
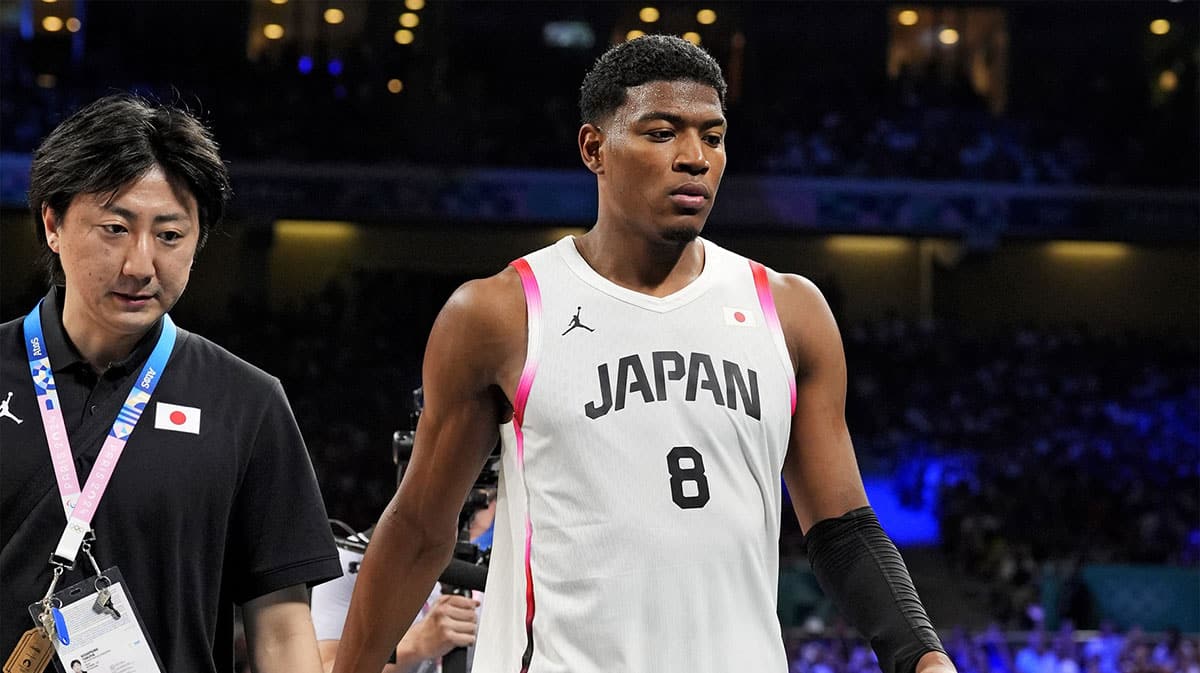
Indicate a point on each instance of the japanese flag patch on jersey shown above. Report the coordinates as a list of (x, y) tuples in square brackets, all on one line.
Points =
[(177, 417), (739, 317)]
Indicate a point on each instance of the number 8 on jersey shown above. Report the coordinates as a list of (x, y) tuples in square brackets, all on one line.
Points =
[(686, 466)]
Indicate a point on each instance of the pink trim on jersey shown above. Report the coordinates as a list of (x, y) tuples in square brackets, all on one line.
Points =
[(533, 309), (767, 301), (529, 602)]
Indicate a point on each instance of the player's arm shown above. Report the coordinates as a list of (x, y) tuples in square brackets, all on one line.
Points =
[(854, 560), (279, 632), (475, 340)]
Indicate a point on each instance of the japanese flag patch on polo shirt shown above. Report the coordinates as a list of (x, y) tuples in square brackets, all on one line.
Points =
[(177, 417), (739, 317)]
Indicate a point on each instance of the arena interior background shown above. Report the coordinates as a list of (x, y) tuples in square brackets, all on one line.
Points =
[(999, 199)]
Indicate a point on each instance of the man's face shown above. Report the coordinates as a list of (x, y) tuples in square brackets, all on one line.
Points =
[(77, 667), (126, 256), (662, 157)]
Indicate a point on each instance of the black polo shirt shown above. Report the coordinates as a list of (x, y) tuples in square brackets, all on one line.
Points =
[(196, 521)]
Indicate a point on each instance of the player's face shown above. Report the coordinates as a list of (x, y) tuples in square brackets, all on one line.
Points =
[(663, 156), (126, 256)]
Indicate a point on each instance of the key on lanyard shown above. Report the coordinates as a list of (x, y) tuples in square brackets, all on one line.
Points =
[(104, 601), (47, 617), (47, 621)]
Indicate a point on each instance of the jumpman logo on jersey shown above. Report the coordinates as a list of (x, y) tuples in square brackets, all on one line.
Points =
[(4, 412), (575, 322)]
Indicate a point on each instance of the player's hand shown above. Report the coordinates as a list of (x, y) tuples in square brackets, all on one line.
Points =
[(450, 623), (935, 662)]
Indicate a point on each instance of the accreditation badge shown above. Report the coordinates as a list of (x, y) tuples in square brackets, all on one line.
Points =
[(97, 628)]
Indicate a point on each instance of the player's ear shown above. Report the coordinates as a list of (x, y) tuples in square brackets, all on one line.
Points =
[(591, 141)]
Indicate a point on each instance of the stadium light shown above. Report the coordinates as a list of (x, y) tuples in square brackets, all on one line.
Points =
[(648, 14), (395, 86), (706, 17), (414, 5), (908, 17), (948, 36), (868, 245), (404, 36), (273, 31), (52, 24), (1160, 26), (1087, 250), (334, 16), (315, 231), (74, 24), (633, 35), (693, 37), (1168, 80), (409, 20)]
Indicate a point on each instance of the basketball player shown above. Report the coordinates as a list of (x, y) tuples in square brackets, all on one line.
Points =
[(638, 516)]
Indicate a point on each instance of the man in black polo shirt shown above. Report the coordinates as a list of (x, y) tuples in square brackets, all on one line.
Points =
[(184, 461)]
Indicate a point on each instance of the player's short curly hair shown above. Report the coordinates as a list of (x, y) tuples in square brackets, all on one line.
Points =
[(650, 58)]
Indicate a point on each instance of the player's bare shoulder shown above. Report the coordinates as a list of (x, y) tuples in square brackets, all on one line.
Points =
[(488, 304), (794, 292), (807, 321), (482, 326)]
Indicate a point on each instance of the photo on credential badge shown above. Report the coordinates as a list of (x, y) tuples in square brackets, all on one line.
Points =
[(110, 638)]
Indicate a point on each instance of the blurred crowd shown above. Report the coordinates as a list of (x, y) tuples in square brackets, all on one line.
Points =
[(460, 108), (918, 130), (1107, 650), (949, 142), (1035, 445), (946, 143)]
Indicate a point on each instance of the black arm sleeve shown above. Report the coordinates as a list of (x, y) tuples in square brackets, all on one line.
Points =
[(858, 566)]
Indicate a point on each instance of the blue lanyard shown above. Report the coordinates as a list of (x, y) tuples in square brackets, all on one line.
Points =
[(80, 504)]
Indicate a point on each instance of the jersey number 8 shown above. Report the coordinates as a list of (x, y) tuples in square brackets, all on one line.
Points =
[(686, 466)]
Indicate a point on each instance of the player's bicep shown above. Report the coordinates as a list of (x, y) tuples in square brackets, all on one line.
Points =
[(820, 469), (458, 426)]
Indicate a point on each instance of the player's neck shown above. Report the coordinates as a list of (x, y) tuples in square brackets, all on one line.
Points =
[(654, 268)]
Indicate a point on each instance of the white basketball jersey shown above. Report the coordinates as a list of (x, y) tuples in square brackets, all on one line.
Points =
[(638, 518)]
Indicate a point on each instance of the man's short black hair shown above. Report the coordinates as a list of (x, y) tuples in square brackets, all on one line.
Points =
[(650, 58), (116, 140)]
